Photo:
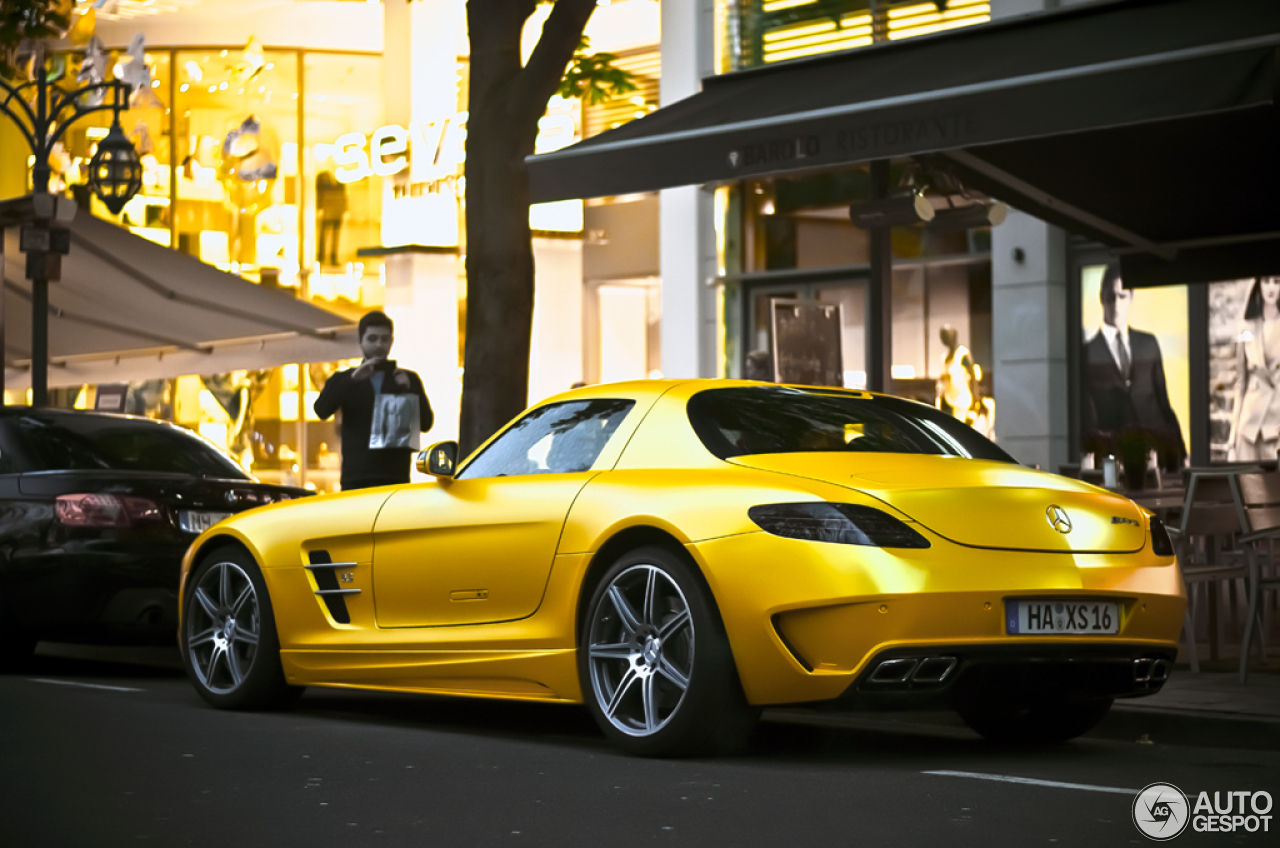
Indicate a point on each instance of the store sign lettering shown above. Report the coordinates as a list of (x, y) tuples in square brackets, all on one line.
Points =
[(940, 129), (770, 152), (438, 147), (384, 153)]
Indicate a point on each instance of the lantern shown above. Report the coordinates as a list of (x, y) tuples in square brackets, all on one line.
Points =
[(115, 172)]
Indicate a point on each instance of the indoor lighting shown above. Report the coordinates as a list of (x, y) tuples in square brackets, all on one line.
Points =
[(968, 217), (902, 208)]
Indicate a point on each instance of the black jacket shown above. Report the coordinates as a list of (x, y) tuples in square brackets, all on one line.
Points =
[(362, 467), (1111, 404)]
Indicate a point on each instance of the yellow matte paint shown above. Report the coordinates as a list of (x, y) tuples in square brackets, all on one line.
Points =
[(495, 533), (425, 551)]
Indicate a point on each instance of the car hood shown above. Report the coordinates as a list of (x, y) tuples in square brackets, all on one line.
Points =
[(978, 503)]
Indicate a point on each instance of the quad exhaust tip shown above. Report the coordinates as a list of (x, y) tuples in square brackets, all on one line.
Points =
[(1151, 672), (926, 670)]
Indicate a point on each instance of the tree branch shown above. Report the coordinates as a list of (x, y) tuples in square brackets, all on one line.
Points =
[(542, 73)]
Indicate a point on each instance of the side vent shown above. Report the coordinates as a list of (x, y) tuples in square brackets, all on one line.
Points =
[(325, 571)]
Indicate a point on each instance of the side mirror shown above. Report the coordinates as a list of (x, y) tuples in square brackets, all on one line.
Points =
[(439, 460)]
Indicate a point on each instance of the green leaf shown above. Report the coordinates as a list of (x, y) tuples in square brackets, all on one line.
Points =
[(23, 20), (594, 78)]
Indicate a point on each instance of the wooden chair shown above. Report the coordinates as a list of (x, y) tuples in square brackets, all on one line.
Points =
[(1258, 503), (1205, 544)]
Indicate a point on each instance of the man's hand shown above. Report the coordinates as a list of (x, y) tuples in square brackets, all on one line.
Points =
[(402, 378), (366, 369)]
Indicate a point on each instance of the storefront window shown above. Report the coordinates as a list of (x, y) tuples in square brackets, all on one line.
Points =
[(236, 140), (761, 32), (146, 123), (343, 201), (798, 250)]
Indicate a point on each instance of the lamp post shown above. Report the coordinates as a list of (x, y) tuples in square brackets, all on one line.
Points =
[(42, 114)]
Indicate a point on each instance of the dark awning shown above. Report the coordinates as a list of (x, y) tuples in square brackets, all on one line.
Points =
[(1146, 125)]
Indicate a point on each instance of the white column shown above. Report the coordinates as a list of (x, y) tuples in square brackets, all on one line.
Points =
[(420, 86), (686, 224), (555, 350), (422, 300), (1029, 332)]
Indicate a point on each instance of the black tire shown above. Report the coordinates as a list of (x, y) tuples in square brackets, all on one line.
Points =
[(655, 665), (229, 642), (1040, 722)]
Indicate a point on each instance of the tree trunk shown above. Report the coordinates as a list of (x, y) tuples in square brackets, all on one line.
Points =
[(505, 103)]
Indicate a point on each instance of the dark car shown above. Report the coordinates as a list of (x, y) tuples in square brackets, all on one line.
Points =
[(96, 512)]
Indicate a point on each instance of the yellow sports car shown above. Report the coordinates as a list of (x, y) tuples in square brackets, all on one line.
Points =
[(677, 554)]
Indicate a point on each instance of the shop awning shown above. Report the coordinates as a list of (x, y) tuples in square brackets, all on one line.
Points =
[(129, 309), (1150, 126)]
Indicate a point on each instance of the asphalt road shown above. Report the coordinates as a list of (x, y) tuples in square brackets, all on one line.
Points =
[(95, 752)]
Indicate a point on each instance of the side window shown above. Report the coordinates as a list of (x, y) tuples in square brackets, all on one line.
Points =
[(561, 438)]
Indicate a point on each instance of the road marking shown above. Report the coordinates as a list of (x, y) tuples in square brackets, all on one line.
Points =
[(85, 685), (1007, 778)]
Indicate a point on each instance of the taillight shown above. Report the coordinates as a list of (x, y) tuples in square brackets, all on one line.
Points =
[(103, 510)]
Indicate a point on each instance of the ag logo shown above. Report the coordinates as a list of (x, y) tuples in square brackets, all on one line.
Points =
[(1161, 812), (1058, 519)]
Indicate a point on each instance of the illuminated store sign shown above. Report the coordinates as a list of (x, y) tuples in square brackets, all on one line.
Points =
[(386, 151), (437, 147)]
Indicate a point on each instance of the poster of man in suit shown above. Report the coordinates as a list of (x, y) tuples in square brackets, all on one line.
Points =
[(1134, 375)]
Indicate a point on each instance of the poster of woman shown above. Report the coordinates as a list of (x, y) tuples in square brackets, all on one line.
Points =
[(1244, 337)]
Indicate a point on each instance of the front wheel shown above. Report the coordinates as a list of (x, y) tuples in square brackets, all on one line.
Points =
[(229, 642), (1042, 722), (655, 664)]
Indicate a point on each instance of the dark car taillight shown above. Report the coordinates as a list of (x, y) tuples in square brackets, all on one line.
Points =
[(104, 510), (1161, 545), (847, 524)]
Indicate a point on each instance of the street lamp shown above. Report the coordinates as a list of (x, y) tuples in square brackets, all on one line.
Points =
[(115, 173), (42, 114)]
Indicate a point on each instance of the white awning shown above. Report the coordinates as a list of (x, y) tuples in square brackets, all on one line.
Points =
[(128, 309)]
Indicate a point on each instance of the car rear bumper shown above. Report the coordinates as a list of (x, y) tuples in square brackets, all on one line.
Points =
[(100, 591), (944, 675), (807, 620)]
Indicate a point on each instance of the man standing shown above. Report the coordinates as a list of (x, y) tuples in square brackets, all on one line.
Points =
[(359, 392), (1123, 376)]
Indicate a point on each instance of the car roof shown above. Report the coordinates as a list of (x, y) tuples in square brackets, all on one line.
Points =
[(654, 388)]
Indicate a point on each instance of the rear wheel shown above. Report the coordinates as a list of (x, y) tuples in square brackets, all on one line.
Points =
[(1040, 722), (655, 664), (229, 641)]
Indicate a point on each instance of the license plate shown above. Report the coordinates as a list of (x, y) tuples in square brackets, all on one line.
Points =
[(198, 521), (1062, 617)]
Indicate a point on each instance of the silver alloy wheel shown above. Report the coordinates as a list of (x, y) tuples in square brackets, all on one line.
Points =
[(640, 650), (222, 627)]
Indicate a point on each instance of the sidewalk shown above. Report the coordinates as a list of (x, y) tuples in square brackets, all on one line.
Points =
[(1206, 709)]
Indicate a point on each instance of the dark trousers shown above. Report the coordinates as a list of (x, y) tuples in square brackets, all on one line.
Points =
[(328, 234)]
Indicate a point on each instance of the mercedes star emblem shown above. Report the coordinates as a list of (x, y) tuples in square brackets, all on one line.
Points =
[(1058, 519)]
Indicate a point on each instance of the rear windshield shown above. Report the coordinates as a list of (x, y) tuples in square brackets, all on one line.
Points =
[(88, 442), (773, 419)]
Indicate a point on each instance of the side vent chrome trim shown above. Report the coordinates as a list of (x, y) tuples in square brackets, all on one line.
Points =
[(325, 572)]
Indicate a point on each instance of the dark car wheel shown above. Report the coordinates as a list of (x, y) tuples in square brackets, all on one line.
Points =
[(229, 642), (656, 668), (1042, 722)]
